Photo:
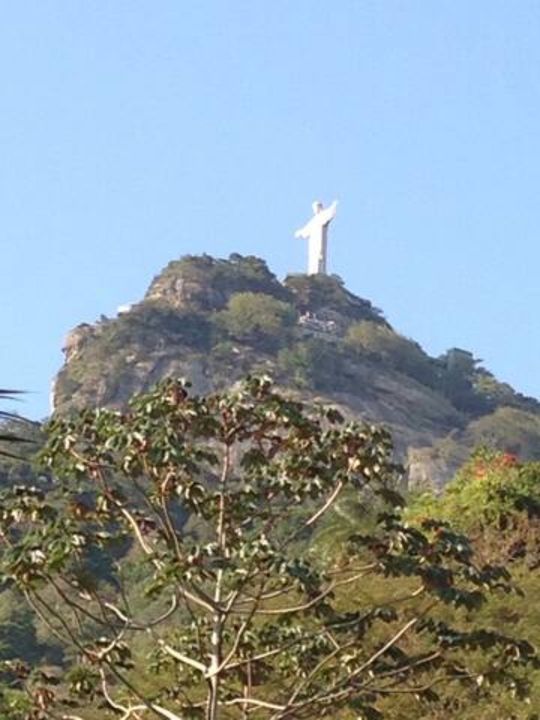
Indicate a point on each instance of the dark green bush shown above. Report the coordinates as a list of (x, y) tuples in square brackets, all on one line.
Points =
[(316, 363), (257, 318), (395, 350)]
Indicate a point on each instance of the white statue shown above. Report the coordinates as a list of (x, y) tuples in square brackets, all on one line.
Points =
[(316, 231)]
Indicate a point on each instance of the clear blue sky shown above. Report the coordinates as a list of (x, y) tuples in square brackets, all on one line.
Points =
[(135, 131)]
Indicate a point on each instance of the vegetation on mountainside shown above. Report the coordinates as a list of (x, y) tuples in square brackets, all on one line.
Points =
[(215, 321), (203, 283), (257, 318), (493, 491), (157, 325), (388, 346), (313, 293), (495, 499), (506, 429), (498, 393), (314, 364), (180, 564)]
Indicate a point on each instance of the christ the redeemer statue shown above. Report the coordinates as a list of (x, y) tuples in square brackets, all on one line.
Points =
[(316, 231)]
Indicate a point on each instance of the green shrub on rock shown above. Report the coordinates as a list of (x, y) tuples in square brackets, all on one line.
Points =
[(257, 318), (397, 351), (315, 363)]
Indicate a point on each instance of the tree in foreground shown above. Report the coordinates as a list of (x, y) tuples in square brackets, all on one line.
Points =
[(177, 560)]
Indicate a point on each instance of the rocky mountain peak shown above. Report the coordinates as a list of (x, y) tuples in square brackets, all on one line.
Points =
[(214, 321), (203, 283)]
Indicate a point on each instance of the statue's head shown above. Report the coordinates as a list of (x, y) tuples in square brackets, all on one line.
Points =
[(317, 206)]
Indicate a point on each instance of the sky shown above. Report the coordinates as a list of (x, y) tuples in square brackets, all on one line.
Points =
[(134, 132)]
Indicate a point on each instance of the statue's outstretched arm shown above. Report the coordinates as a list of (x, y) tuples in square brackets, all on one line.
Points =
[(303, 233), (329, 213)]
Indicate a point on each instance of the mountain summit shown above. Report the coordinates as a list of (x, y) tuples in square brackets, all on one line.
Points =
[(214, 321)]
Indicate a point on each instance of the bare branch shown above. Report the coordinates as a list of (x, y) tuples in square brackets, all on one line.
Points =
[(336, 693), (313, 519), (181, 657), (253, 701)]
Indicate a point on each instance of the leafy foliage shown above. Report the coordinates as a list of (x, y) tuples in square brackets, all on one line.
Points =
[(390, 347), (315, 363), (495, 498), (219, 498), (153, 324), (258, 318), (489, 490)]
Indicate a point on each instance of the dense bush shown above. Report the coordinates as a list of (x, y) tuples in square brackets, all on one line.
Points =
[(394, 349), (315, 363), (491, 489), (508, 429), (151, 323), (257, 318)]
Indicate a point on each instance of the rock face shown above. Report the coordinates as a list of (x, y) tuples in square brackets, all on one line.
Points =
[(213, 321), (202, 283), (76, 339)]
